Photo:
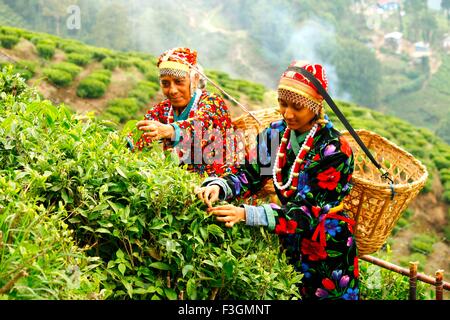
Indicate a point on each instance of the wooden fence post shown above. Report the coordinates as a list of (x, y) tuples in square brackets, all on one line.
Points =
[(439, 285), (413, 280)]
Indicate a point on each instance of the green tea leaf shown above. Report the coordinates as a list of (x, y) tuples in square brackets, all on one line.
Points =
[(186, 269), (122, 268), (191, 289), (160, 265), (170, 294)]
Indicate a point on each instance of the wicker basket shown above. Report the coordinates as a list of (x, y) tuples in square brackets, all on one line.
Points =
[(369, 202), (265, 117), (248, 123)]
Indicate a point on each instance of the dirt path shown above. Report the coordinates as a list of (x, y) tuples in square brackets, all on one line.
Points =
[(24, 50)]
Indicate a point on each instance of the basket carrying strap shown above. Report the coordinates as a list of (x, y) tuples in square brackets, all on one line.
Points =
[(340, 115)]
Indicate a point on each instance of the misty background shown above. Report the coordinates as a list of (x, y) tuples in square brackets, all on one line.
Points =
[(256, 40)]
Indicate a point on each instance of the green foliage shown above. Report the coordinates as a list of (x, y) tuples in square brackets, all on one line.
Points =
[(68, 67), (422, 243), (58, 77), (121, 110), (110, 63), (45, 50), (80, 59), (144, 66), (377, 283), (403, 221), (152, 76), (235, 87), (100, 54), (144, 91), (27, 65), (414, 257), (101, 75), (8, 42), (427, 105), (75, 47), (95, 85), (36, 244), (152, 241), (25, 68), (351, 55), (91, 88), (11, 83), (421, 142)]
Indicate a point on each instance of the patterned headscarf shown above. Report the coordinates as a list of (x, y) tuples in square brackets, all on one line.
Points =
[(175, 62), (296, 88)]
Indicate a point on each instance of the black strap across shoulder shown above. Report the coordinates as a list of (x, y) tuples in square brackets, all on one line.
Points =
[(340, 115)]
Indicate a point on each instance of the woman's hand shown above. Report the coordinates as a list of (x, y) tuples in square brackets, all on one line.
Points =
[(228, 214), (209, 194), (155, 130)]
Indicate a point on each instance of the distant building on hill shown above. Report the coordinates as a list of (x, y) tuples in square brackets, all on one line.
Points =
[(393, 40), (388, 5), (421, 50)]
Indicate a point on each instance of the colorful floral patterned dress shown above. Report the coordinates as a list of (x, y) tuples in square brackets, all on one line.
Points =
[(319, 243), (201, 133)]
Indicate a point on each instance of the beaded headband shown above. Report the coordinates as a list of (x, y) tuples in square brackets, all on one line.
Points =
[(296, 88), (175, 62)]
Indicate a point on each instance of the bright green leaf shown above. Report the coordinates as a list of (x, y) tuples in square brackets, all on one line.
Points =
[(186, 269), (160, 266), (170, 294)]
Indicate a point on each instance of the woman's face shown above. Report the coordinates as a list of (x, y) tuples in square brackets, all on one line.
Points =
[(297, 117), (177, 90)]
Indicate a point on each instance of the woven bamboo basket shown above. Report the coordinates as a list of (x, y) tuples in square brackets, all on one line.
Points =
[(249, 125), (369, 202)]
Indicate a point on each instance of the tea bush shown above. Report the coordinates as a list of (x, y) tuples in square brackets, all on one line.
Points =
[(95, 84), (80, 59), (8, 41), (136, 212), (144, 91), (422, 243), (91, 88), (121, 109), (58, 77), (46, 49), (102, 75), (110, 63), (68, 67)]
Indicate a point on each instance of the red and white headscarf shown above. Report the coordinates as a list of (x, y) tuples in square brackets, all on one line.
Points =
[(294, 87), (176, 62)]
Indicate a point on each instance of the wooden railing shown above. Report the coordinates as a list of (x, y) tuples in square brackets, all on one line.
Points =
[(438, 282)]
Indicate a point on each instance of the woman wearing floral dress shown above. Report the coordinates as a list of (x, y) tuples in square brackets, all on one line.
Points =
[(312, 169), (191, 120)]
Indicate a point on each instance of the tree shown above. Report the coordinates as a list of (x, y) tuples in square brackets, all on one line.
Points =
[(427, 23), (445, 5), (415, 6), (359, 72), (112, 28)]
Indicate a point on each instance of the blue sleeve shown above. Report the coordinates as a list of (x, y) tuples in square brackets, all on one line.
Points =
[(177, 129)]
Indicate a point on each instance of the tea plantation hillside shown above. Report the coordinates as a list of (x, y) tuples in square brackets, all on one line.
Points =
[(79, 221), (88, 78), (81, 217)]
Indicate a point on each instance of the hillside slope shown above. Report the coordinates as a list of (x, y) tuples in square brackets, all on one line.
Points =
[(120, 86), (428, 106)]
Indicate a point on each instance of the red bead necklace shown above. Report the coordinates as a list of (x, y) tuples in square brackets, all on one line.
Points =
[(281, 161)]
